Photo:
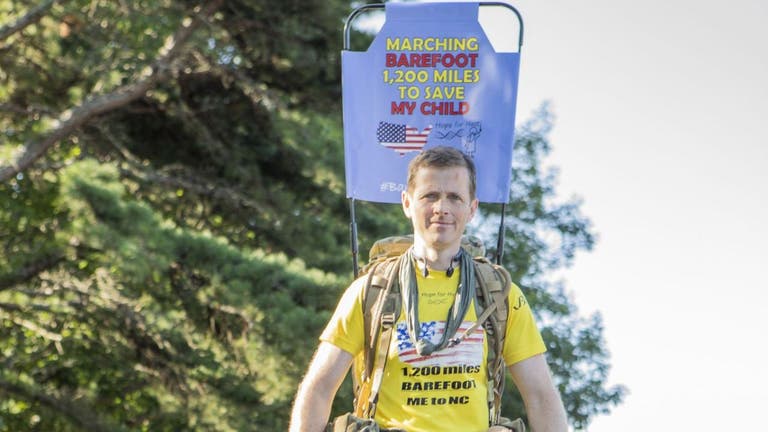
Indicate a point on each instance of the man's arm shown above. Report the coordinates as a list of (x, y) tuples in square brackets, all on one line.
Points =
[(312, 406), (542, 400)]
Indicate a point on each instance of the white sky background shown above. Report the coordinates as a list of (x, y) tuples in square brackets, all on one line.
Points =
[(661, 110)]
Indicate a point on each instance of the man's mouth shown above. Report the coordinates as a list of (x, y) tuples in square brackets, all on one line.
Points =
[(441, 223)]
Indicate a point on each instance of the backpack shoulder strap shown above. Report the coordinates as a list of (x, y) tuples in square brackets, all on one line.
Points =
[(493, 286), (381, 308), (494, 283)]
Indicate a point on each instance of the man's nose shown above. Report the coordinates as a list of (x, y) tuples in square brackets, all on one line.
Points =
[(440, 206)]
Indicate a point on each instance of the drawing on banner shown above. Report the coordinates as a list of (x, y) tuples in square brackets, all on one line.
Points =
[(467, 132), (402, 138)]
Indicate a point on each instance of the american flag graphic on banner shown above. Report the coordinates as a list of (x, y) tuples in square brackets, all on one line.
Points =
[(402, 138), (468, 352)]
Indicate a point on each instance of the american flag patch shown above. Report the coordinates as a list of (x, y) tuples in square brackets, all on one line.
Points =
[(469, 351)]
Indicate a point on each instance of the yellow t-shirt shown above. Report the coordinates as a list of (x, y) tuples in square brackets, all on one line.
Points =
[(444, 391)]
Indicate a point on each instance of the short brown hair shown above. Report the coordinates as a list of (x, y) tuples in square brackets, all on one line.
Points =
[(443, 157)]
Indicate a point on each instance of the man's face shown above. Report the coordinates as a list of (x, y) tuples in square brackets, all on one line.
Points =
[(439, 206)]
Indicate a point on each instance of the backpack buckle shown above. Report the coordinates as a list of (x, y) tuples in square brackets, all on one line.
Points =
[(387, 319)]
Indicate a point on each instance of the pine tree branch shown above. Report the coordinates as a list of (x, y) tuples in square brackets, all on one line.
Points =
[(13, 307), (29, 271), (70, 120), (134, 169), (217, 192), (27, 20), (87, 418)]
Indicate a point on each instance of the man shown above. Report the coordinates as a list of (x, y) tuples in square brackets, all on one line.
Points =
[(428, 385)]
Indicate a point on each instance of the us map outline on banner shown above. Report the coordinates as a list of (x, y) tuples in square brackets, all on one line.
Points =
[(402, 138)]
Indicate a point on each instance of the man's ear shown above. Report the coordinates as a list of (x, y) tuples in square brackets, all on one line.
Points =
[(473, 208), (405, 199)]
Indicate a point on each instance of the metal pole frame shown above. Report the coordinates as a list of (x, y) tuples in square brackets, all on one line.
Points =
[(353, 224), (378, 6)]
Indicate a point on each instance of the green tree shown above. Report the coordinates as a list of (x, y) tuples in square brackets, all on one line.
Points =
[(171, 180)]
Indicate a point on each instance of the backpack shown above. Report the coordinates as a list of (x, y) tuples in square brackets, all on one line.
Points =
[(381, 307)]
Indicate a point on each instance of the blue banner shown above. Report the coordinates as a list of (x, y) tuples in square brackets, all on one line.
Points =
[(430, 78)]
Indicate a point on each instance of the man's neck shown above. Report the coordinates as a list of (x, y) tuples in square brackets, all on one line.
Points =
[(437, 258)]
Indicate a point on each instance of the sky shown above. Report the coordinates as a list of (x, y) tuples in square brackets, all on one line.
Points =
[(660, 128), (661, 110)]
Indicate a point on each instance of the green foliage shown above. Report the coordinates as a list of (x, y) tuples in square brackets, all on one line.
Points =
[(151, 324), (169, 264)]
